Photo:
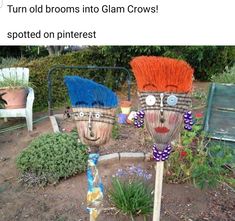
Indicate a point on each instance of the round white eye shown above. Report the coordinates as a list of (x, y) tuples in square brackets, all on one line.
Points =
[(97, 115), (172, 100), (81, 114), (150, 100)]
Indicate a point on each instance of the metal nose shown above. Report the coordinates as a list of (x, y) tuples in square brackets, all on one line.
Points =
[(90, 125), (162, 120)]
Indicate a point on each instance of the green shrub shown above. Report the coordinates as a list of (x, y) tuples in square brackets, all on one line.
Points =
[(53, 156), (39, 71), (191, 152), (131, 197), (13, 83), (193, 162), (228, 76), (213, 169), (8, 62), (116, 131), (206, 60)]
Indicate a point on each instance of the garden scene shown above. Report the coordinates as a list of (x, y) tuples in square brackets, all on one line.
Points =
[(82, 145)]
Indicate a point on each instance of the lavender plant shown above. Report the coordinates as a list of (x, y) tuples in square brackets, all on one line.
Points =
[(133, 172), (130, 193)]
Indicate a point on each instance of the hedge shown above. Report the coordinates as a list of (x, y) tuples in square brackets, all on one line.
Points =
[(206, 60), (39, 70)]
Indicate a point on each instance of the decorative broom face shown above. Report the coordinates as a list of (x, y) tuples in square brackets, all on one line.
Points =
[(94, 107), (164, 85), (94, 125), (163, 114)]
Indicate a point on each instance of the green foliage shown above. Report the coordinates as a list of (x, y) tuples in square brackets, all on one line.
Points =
[(2, 101), (214, 168), (13, 83), (34, 51), (131, 197), (53, 156), (189, 154), (200, 95), (228, 76), (206, 60), (115, 131), (39, 70), (8, 62), (193, 162), (22, 51)]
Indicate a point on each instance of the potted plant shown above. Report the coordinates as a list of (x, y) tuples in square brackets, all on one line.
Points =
[(14, 92), (125, 106)]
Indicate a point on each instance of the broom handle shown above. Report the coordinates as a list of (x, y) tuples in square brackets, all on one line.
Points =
[(158, 190), (91, 217)]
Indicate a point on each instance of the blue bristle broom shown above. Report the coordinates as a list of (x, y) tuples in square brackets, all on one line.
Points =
[(87, 93)]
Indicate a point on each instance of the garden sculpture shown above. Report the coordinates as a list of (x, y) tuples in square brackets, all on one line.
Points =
[(94, 107), (164, 86)]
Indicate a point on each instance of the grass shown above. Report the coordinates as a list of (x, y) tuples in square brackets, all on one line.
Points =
[(228, 76), (116, 131), (14, 83), (131, 197)]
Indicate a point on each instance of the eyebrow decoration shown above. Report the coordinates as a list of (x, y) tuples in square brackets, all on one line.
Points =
[(171, 86), (149, 86), (81, 103), (97, 103)]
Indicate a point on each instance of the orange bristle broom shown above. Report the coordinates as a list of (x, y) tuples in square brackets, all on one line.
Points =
[(161, 75)]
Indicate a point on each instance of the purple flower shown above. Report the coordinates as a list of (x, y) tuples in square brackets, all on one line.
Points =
[(132, 171), (120, 173)]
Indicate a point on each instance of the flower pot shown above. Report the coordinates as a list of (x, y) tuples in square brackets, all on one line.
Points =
[(15, 97), (130, 118), (125, 107)]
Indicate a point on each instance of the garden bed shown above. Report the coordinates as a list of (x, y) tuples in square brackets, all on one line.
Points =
[(66, 201)]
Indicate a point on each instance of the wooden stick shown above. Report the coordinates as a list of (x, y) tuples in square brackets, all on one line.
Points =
[(158, 190)]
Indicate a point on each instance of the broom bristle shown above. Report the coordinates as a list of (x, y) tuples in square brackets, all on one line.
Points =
[(162, 74), (87, 93)]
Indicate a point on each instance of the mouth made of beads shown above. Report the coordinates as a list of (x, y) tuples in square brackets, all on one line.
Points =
[(161, 155)]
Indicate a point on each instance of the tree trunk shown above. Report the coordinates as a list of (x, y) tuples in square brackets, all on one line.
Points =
[(55, 50)]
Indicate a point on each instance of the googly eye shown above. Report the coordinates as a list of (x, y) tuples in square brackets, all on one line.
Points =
[(97, 115), (150, 100), (81, 114), (172, 100)]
